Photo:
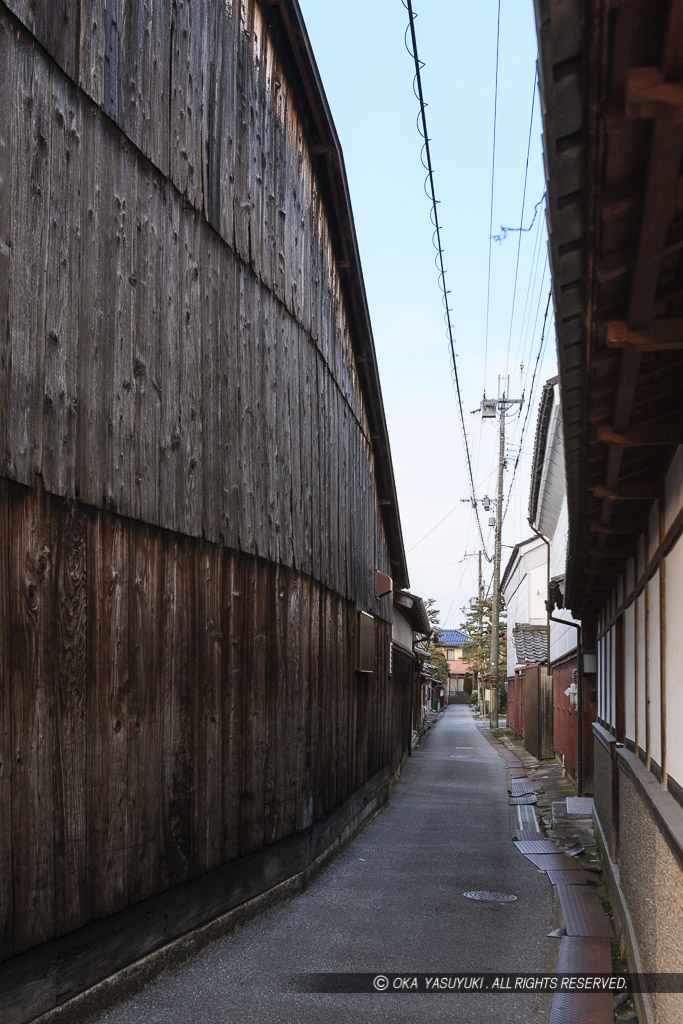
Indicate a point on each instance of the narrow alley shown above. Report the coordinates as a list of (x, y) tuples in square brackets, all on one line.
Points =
[(392, 901)]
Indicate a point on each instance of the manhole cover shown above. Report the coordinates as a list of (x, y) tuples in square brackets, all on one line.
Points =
[(490, 897)]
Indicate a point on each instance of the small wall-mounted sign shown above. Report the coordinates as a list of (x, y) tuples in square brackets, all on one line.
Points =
[(385, 584)]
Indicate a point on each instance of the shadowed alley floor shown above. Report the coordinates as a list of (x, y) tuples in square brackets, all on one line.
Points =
[(392, 901)]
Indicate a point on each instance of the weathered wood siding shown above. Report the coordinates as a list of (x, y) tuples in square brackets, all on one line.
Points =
[(169, 705), (173, 332), (189, 506)]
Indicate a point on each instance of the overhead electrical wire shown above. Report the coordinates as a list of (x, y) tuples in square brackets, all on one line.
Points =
[(493, 179), (522, 229), (436, 237), (529, 402)]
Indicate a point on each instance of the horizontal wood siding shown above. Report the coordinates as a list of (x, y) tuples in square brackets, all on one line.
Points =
[(169, 705), (175, 341)]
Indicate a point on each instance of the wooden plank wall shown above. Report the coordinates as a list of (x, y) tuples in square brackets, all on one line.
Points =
[(173, 333), (168, 706)]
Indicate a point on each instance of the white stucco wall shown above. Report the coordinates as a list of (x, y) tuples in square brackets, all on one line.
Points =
[(562, 638), (524, 592)]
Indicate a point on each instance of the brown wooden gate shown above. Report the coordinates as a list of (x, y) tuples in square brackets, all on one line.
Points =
[(538, 717)]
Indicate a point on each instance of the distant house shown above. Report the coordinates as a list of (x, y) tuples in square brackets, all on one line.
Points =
[(548, 515), (451, 643), (524, 588)]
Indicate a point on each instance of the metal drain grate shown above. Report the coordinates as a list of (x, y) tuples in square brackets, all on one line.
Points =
[(490, 897)]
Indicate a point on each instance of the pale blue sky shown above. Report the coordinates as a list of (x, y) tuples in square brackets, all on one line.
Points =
[(368, 78)]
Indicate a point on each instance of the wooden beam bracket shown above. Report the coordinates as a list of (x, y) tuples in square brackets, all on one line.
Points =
[(660, 336), (649, 96)]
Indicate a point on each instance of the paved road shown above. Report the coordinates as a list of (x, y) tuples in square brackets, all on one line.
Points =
[(390, 902)]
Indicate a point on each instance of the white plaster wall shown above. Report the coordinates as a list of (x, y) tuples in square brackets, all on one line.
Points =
[(630, 671), (674, 662), (655, 739), (641, 739), (537, 583), (653, 532), (401, 631), (562, 638), (601, 677), (524, 593), (674, 488)]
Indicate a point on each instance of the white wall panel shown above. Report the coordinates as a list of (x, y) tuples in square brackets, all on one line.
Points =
[(674, 488), (630, 672), (640, 664), (655, 739), (674, 662), (653, 530)]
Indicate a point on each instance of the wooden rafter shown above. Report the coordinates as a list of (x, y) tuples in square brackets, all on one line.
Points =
[(626, 492), (645, 436), (660, 336)]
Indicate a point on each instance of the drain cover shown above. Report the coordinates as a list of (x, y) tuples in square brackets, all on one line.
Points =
[(490, 897)]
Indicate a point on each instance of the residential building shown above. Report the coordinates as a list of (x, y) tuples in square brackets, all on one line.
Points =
[(610, 78), (523, 587), (548, 516), (451, 643)]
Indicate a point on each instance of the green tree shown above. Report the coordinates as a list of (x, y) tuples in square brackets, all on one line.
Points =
[(477, 653), (437, 664)]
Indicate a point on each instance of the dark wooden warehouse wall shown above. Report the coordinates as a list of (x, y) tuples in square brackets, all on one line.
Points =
[(168, 706), (189, 509), (177, 349)]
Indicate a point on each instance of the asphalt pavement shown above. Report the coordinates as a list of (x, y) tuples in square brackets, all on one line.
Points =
[(391, 903)]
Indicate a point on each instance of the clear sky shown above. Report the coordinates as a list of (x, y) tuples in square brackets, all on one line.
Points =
[(368, 78)]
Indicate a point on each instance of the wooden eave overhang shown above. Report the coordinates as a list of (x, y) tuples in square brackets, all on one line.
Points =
[(286, 21), (611, 79)]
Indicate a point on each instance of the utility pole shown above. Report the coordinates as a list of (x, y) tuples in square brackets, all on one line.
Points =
[(477, 681), (489, 409)]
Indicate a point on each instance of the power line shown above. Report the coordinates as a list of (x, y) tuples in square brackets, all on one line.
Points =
[(493, 178), (436, 237), (521, 223), (528, 408)]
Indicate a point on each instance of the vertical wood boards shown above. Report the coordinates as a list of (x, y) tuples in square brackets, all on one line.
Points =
[(31, 623), (28, 263), (60, 391), (251, 827), (144, 711), (177, 800), (211, 369), (170, 458), (7, 89), (211, 721), (144, 79), (230, 390), (171, 705), (90, 441), (109, 714), (190, 325), (232, 701), (7, 759), (117, 385), (248, 469), (71, 859), (186, 99), (152, 365), (147, 307)]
